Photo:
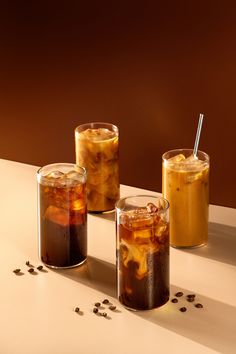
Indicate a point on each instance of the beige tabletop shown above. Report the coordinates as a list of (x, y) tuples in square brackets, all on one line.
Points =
[(37, 311)]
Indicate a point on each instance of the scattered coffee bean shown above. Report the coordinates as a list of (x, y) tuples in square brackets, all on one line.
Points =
[(189, 298), (174, 300), (112, 307), (16, 271), (97, 304), (28, 264), (199, 306), (40, 267), (77, 309), (104, 314), (31, 270), (179, 294), (95, 310), (105, 301), (183, 309)]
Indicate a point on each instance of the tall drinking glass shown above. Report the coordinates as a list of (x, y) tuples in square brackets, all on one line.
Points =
[(185, 184), (142, 229), (97, 149), (62, 215)]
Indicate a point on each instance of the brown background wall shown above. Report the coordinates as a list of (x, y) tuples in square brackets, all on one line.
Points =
[(150, 69)]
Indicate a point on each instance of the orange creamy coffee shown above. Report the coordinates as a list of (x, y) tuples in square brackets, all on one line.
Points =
[(185, 184)]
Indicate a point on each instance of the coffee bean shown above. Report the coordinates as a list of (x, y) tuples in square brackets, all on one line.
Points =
[(97, 304), (112, 307), (190, 299), (179, 294), (40, 267), (77, 309), (199, 306), (16, 271), (183, 309), (105, 301), (174, 300), (95, 310), (31, 270)]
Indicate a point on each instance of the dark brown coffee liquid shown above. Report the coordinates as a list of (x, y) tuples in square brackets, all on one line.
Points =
[(63, 246), (142, 261), (152, 290), (63, 223)]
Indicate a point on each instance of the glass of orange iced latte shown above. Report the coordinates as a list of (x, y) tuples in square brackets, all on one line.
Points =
[(185, 184)]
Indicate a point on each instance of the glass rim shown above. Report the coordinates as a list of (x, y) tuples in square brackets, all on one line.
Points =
[(206, 156), (66, 164), (80, 127), (165, 209)]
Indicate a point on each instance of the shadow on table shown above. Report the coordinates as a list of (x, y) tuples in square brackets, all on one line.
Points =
[(95, 273), (212, 326), (221, 244)]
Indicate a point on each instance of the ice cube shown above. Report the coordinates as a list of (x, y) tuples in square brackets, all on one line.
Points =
[(75, 176), (160, 228), (152, 208), (98, 135), (177, 158), (51, 178), (142, 236), (55, 174), (191, 159), (57, 215), (78, 205), (141, 221), (102, 134), (63, 182), (137, 219), (193, 163), (124, 220)]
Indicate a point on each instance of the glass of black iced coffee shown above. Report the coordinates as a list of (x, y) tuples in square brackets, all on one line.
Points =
[(142, 229), (62, 215)]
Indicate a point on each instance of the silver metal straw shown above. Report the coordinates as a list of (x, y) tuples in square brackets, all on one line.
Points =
[(198, 135)]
